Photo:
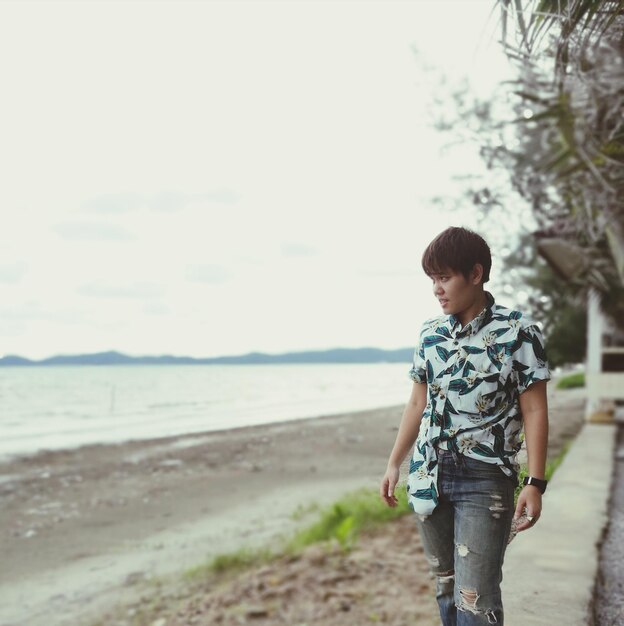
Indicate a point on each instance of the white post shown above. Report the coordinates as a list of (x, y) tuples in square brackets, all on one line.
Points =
[(595, 410)]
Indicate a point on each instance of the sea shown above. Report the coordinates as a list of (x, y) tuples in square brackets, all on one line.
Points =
[(57, 407)]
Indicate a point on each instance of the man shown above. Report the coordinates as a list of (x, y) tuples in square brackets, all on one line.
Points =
[(479, 373)]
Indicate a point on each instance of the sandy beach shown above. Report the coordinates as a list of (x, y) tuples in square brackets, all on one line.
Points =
[(82, 528)]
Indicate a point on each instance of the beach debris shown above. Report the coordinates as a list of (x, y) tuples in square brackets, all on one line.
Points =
[(315, 554), (257, 610), (8, 484), (285, 589), (48, 508), (67, 481), (59, 597), (171, 463), (250, 466), (354, 438), (332, 578), (52, 505), (134, 577)]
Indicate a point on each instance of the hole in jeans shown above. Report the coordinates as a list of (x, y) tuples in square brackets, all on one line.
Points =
[(462, 549), (469, 599), (446, 577)]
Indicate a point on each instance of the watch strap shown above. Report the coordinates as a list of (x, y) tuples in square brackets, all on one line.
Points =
[(537, 482)]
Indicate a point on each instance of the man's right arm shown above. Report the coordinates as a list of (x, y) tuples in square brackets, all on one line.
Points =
[(410, 424), (408, 432)]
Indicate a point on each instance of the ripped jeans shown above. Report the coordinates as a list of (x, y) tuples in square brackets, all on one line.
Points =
[(465, 539)]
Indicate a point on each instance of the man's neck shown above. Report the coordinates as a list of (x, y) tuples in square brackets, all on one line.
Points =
[(471, 312)]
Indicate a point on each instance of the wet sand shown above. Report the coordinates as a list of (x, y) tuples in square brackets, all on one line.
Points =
[(81, 528)]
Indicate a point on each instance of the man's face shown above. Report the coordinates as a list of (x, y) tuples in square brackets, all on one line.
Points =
[(453, 291)]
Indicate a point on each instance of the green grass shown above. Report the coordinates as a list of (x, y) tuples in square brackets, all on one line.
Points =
[(571, 381), (339, 523), (230, 562), (343, 520), (551, 466)]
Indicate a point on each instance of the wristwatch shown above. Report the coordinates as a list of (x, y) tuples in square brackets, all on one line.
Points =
[(538, 482)]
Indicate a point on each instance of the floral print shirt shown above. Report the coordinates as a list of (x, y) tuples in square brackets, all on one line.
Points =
[(474, 375)]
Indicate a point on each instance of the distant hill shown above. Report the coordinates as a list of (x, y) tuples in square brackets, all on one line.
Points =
[(337, 355)]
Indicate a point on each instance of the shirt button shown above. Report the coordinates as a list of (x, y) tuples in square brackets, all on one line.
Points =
[(456, 343)]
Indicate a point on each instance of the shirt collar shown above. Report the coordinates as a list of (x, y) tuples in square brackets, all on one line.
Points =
[(478, 322)]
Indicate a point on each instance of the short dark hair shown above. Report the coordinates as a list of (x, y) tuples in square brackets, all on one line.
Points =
[(457, 249)]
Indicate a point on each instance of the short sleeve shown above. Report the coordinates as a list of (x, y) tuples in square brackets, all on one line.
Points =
[(530, 361), (418, 371)]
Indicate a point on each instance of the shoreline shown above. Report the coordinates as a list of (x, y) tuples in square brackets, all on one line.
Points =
[(81, 527), (10, 458)]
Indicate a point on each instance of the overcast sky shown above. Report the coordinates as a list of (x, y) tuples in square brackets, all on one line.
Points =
[(211, 178)]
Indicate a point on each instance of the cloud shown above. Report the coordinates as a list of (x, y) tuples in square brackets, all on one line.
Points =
[(12, 272), (290, 248), (137, 290), (207, 273), (167, 201), (222, 196), (114, 202), (175, 201), (155, 308), (389, 273), (162, 201), (92, 231), (32, 310)]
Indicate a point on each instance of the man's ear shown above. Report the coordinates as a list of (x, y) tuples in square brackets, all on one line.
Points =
[(476, 274)]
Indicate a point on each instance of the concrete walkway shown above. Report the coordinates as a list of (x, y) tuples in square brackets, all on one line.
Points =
[(550, 570)]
